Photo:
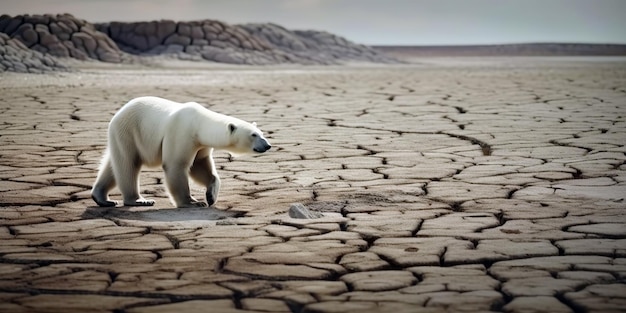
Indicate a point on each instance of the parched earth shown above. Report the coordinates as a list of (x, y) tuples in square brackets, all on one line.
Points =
[(484, 185)]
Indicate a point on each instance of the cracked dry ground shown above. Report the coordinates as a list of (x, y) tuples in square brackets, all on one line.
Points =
[(455, 187)]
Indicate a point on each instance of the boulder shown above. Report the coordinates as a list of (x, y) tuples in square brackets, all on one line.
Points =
[(4, 21), (164, 29), (177, 39), (145, 28), (69, 22), (58, 49), (12, 24), (58, 30), (47, 39), (220, 44), (298, 210), (196, 32), (74, 51), (40, 48), (84, 42), (19, 32), (61, 35), (108, 55), (16, 57), (37, 19), (210, 29), (184, 29), (199, 42)]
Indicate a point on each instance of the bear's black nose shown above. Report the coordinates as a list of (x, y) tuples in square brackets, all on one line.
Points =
[(263, 149)]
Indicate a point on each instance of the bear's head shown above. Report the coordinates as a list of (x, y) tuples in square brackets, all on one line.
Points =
[(246, 138)]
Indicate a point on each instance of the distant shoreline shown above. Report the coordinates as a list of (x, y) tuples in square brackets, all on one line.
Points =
[(524, 49)]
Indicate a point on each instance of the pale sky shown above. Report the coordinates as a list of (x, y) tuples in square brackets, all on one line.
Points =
[(383, 22)]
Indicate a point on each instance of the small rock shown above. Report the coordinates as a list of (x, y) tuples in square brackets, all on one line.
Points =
[(298, 210)]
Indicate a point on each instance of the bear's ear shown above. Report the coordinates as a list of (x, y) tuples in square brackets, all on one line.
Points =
[(232, 128), (254, 124)]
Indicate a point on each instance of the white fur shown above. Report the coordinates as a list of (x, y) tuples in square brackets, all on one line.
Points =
[(181, 137)]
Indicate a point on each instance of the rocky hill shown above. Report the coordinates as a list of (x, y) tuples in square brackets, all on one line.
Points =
[(47, 37)]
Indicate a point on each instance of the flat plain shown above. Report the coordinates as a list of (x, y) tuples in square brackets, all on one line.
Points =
[(475, 184)]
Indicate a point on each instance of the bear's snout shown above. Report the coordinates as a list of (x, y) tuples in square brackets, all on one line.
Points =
[(262, 147)]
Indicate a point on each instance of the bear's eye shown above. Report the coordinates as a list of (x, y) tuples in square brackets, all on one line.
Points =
[(255, 135)]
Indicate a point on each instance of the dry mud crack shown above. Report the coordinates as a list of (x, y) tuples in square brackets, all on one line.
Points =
[(465, 186)]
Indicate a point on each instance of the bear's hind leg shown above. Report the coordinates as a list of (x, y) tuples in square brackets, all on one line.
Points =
[(104, 183), (203, 171), (126, 171)]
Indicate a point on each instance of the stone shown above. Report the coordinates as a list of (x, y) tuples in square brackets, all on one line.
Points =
[(298, 210), (58, 49), (177, 39), (4, 21), (199, 42), (164, 28), (146, 28), (48, 39), (141, 43), (12, 25), (69, 23), (27, 34), (84, 42), (75, 53), (184, 29), (37, 19), (196, 32)]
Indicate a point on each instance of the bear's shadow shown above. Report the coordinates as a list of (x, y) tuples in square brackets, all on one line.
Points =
[(152, 214)]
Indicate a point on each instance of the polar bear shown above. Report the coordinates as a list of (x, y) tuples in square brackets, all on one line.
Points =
[(153, 131)]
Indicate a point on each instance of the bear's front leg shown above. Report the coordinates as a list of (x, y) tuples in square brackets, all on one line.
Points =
[(178, 186), (203, 171), (213, 190)]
